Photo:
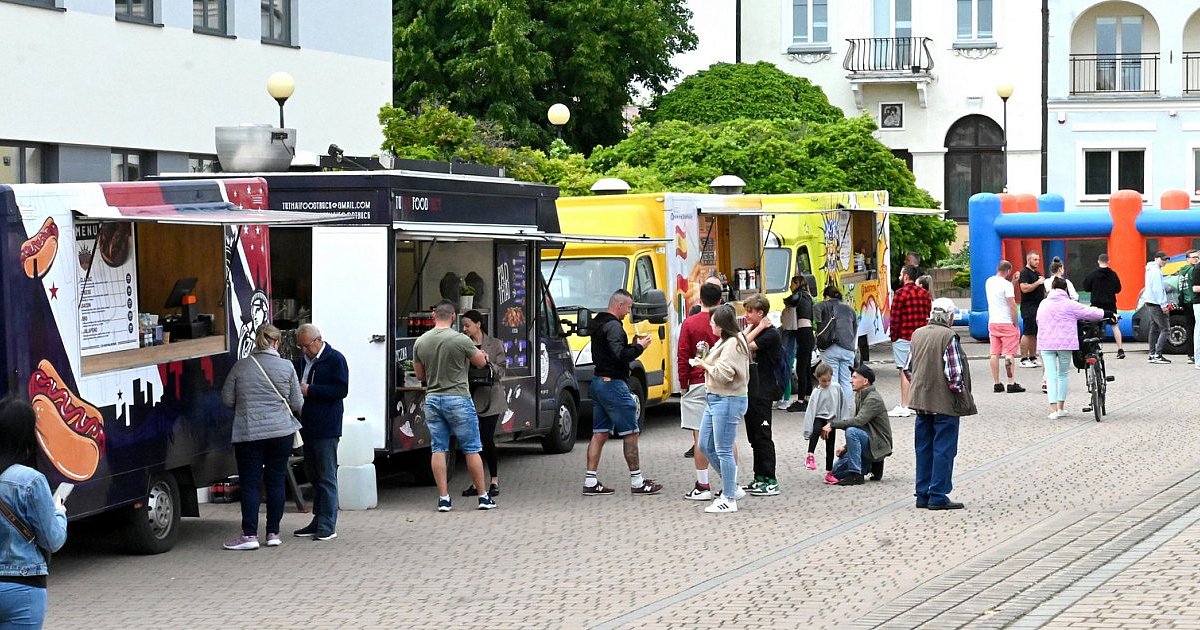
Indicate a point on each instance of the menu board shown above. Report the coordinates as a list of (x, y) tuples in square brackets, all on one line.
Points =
[(108, 304), (512, 302)]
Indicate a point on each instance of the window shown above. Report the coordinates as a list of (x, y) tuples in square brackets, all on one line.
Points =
[(20, 164), (126, 166), (974, 20), (974, 162), (810, 23), (45, 4), (208, 16), (277, 22), (1108, 170), (643, 279), (775, 263), (202, 164), (136, 11), (1195, 172)]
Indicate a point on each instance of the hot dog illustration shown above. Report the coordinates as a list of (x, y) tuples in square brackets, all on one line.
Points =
[(69, 429), (37, 253)]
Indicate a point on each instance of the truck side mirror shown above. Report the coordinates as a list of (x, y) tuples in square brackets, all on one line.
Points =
[(810, 281), (652, 308), (579, 327)]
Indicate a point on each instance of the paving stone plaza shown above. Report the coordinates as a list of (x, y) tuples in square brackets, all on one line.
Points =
[(1068, 523)]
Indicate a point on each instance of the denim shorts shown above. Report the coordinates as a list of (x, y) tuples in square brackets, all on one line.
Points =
[(900, 350), (452, 414), (613, 407)]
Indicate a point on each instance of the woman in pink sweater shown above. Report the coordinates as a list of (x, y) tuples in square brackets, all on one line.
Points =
[(1058, 335)]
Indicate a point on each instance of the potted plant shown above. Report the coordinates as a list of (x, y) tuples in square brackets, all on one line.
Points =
[(466, 300), (410, 376)]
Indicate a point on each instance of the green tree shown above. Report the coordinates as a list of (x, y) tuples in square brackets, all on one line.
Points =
[(508, 60), (727, 91)]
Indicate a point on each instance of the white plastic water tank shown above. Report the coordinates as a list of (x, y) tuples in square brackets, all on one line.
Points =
[(356, 487), (356, 446)]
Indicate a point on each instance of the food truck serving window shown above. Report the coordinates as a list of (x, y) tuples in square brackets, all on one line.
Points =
[(149, 292)]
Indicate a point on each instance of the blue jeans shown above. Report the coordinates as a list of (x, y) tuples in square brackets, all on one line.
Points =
[(857, 458), (1057, 364), (718, 430), (320, 466), (262, 461), (842, 362), (452, 414), (936, 441), (21, 606), (613, 407), (791, 339)]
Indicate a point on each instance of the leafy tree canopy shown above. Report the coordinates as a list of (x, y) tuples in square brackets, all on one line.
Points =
[(508, 60), (727, 91)]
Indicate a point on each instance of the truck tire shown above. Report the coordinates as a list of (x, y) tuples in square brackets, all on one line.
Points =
[(1179, 337), (561, 438), (154, 527)]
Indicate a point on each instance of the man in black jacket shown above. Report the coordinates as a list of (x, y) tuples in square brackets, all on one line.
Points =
[(1104, 285), (324, 383), (613, 405), (764, 388)]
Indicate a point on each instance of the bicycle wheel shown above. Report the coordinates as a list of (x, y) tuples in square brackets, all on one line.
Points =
[(1102, 380), (1094, 381)]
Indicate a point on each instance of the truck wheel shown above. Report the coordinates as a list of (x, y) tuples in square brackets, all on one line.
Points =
[(561, 438), (154, 527), (639, 396), (1179, 338)]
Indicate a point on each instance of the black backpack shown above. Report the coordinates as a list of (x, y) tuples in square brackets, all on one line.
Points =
[(827, 336)]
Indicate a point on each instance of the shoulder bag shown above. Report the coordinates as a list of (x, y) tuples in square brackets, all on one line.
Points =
[(297, 441)]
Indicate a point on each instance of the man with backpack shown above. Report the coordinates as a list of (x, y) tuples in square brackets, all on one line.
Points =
[(837, 335), (766, 347)]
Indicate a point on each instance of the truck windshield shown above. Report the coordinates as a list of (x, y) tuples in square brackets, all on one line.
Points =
[(586, 282), (777, 261)]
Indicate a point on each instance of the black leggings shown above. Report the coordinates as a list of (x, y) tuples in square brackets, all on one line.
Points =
[(805, 343), (829, 443), (487, 436)]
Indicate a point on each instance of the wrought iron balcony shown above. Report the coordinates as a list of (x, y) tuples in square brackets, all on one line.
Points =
[(889, 55), (1191, 73), (1117, 73)]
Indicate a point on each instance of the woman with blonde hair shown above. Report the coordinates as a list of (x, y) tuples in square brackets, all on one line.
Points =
[(265, 395), (727, 379)]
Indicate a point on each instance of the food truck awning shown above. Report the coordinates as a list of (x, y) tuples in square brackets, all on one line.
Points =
[(935, 212), (467, 231), (595, 239), (737, 212), (202, 214)]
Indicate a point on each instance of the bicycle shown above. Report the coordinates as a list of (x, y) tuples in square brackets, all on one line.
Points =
[(1090, 359)]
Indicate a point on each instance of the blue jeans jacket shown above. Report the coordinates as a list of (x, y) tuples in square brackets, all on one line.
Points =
[(27, 493)]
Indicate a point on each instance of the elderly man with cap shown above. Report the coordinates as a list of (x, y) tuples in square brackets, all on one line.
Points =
[(868, 433), (941, 394)]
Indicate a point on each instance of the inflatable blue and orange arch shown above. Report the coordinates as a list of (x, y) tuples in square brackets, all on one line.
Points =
[(1005, 226)]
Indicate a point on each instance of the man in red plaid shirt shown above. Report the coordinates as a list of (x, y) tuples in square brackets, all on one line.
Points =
[(911, 305)]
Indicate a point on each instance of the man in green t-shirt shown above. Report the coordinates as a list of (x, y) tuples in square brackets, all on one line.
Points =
[(440, 359)]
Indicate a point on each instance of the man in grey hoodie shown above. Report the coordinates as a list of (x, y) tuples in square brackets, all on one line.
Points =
[(1154, 297)]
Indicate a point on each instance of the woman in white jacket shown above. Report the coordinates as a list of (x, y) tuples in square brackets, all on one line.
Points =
[(727, 378)]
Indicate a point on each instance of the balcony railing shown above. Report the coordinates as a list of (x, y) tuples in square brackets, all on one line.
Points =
[(889, 54), (1191, 73), (1114, 74)]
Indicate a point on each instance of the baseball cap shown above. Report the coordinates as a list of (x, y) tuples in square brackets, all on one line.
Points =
[(944, 304), (866, 372)]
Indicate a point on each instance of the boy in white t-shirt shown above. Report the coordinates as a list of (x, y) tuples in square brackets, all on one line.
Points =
[(1002, 326)]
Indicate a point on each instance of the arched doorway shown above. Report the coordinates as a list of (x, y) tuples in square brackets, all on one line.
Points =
[(974, 162)]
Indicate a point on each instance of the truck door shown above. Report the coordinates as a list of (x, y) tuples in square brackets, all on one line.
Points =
[(350, 300), (654, 359)]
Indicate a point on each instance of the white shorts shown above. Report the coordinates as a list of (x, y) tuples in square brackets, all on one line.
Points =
[(691, 407)]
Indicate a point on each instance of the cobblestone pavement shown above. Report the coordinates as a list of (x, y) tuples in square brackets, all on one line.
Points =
[(1069, 523)]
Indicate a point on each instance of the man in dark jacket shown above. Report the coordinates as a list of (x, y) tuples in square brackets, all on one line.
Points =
[(1104, 285), (868, 433), (941, 394), (613, 405), (324, 382)]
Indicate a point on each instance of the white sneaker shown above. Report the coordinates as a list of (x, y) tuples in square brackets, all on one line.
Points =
[(897, 412), (699, 495), (781, 405), (721, 506), (1062, 413), (739, 495)]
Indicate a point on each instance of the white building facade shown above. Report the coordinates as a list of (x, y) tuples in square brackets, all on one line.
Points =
[(1123, 104), (111, 90), (929, 78)]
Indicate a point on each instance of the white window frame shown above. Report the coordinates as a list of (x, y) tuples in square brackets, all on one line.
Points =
[(792, 46), (1194, 191), (1114, 147), (974, 40)]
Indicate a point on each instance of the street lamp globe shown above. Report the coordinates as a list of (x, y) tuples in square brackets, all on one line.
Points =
[(1004, 91), (281, 86), (558, 114)]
